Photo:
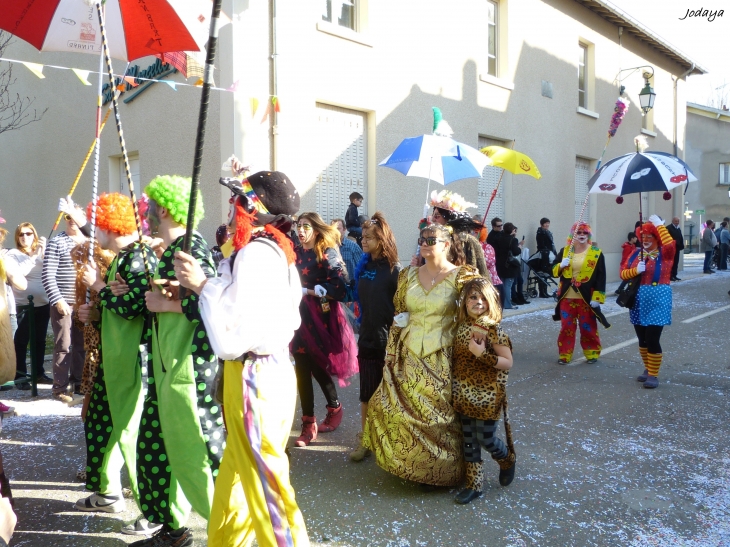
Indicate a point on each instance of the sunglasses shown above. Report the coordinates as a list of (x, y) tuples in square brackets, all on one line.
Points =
[(582, 233), (430, 241), (27, 234)]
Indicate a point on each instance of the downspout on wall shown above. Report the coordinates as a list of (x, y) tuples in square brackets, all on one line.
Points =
[(274, 92)]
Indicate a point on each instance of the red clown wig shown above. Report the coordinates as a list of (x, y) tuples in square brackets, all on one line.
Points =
[(648, 228)]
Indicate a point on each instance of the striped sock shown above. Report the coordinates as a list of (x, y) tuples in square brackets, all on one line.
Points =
[(653, 362), (643, 352)]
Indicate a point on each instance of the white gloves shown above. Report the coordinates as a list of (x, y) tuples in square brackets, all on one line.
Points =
[(656, 220), (66, 205), (595, 304), (305, 291), (565, 263), (401, 320), (641, 267), (320, 291)]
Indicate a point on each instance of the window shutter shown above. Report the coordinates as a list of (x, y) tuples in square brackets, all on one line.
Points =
[(488, 182), (582, 176), (341, 134)]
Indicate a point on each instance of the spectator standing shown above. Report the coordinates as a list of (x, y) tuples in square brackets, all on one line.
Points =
[(507, 252), (494, 235), (352, 224), (59, 282), (545, 246), (707, 246), (349, 250), (8, 277), (518, 297), (724, 245), (28, 255), (676, 232), (491, 261)]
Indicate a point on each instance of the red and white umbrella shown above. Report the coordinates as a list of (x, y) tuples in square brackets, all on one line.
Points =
[(134, 28)]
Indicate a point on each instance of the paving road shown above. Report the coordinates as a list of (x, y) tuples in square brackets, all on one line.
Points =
[(601, 461)]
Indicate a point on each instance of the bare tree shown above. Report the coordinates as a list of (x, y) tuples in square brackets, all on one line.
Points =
[(15, 110), (719, 97)]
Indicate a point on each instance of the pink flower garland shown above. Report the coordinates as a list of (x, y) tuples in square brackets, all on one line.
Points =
[(618, 115)]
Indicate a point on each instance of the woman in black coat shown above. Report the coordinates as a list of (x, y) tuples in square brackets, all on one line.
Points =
[(507, 246)]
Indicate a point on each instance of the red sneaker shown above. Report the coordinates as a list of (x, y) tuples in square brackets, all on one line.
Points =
[(309, 431), (5, 409), (333, 419)]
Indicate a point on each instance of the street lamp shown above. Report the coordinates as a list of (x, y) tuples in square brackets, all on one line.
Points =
[(647, 94)]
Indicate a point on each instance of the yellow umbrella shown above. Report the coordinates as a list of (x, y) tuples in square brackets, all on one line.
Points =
[(510, 160)]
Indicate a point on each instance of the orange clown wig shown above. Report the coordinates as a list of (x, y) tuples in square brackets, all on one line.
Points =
[(583, 227), (114, 213)]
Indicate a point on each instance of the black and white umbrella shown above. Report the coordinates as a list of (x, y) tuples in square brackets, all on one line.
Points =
[(640, 172)]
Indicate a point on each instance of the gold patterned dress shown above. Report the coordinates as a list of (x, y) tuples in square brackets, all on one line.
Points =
[(411, 424)]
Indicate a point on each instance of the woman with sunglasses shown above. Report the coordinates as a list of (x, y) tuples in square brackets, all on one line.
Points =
[(28, 255), (582, 273), (411, 424), (324, 345)]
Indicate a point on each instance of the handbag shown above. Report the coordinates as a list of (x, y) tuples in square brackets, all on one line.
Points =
[(627, 296), (513, 261)]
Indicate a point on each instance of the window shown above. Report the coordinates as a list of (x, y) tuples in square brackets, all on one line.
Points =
[(344, 12), (582, 76), (118, 175), (725, 173), (582, 176), (488, 182), (341, 157), (492, 38)]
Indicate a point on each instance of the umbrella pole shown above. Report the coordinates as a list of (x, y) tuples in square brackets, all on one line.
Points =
[(641, 227), (202, 120), (118, 120), (81, 171), (491, 198), (95, 180)]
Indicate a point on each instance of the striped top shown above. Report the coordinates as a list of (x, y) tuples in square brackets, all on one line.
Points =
[(59, 273)]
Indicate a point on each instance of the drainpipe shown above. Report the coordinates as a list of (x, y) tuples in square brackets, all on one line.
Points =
[(676, 148), (274, 92)]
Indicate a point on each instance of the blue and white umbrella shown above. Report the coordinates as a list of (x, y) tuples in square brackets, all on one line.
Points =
[(436, 158), (640, 172)]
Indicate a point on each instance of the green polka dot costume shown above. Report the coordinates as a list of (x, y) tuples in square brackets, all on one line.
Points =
[(181, 438), (115, 407)]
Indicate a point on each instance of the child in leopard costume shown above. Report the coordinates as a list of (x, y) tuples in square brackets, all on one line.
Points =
[(482, 358)]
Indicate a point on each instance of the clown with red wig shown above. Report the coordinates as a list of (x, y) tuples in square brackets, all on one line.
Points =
[(115, 406), (582, 272), (250, 313), (652, 309)]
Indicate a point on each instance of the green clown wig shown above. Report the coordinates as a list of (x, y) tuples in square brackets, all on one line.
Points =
[(173, 193)]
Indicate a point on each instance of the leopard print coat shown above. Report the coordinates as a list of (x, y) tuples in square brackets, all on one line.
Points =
[(479, 389)]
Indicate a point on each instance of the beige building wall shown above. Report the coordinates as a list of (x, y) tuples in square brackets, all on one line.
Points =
[(708, 146), (405, 58)]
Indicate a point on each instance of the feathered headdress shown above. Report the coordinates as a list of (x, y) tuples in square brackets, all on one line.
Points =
[(450, 201)]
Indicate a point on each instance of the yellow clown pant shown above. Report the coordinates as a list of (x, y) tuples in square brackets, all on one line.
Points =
[(253, 496)]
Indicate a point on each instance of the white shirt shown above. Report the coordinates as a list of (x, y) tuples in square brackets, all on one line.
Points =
[(256, 307), (32, 268)]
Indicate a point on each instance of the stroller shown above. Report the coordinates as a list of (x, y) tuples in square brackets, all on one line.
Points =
[(537, 279)]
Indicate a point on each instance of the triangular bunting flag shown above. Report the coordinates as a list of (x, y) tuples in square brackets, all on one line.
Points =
[(83, 75), (121, 87), (275, 102), (266, 114), (254, 106), (233, 87), (131, 81), (199, 83), (35, 68), (172, 84)]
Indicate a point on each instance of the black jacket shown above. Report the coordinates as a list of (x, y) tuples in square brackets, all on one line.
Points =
[(597, 282), (676, 234), (376, 288), (351, 217), (545, 240), (506, 245)]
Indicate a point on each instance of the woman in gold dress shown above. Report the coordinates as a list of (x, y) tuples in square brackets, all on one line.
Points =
[(411, 424)]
